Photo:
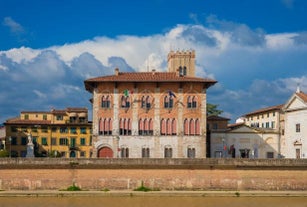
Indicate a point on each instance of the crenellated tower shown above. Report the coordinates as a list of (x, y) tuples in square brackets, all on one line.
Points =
[(182, 61)]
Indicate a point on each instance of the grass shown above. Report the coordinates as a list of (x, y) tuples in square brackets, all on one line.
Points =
[(144, 188), (73, 187)]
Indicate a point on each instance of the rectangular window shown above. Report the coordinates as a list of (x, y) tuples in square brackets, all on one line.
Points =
[(44, 141), (274, 113), (26, 116), (168, 152), (14, 129), (63, 130), (267, 124), (83, 130), (44, 129), (145, 153), (59, 117), (24, 141), (82, 141), (72, 142), (273, 124), (53, 141), (298, 128), (64, 141), (82, 154), (13, 140), (44, 116), (53, 129), (34, 129), (73, 130), (270, 155), (268, 114)]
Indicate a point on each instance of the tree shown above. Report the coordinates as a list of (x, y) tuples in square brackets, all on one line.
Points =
[(212, 110)]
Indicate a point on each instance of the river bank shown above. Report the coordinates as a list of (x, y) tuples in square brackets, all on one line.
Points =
[(126, 193)]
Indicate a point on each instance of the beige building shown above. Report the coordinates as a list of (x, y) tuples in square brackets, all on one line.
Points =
[(60, 133), (242, 141), (151, 114), (296, 126)]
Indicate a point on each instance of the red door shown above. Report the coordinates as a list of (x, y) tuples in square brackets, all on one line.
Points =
[(105, 152)]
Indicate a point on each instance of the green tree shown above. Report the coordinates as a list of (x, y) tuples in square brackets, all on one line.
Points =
[(4, 153), (212, 109)]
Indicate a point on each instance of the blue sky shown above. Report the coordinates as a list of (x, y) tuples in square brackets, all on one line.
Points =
[(256, 50)]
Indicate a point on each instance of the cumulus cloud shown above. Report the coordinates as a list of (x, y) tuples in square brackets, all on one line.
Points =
[(254, 69)]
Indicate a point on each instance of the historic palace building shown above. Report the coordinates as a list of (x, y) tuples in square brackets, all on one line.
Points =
[(151, 114), (58, 133)]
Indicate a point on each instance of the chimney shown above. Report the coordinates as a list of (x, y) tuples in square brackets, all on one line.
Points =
[(116, 71), (153, 71)]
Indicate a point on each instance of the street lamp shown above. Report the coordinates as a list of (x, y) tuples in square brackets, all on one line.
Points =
[(10, 140)]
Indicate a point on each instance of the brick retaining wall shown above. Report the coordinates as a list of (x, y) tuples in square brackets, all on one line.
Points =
[(183, 174)]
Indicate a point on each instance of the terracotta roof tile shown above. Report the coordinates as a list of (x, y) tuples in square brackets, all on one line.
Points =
[(271, 108), (26, 122), (302, 95), (148, 77)]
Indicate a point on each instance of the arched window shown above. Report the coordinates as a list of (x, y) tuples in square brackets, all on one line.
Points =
[(150, 132), (105, 101), (101, 126), (180, 71), (197, 127), (145, 152), (168, 101), (184, 70), (191, 152), (189, 102), (124, 152), (143, 102), (148, 102), (174, 127), (141, 127), (194, 102), (186, 127), (192, 127), (163, 127), (125, 102), (168, 127), (105, 126), (168, 152)]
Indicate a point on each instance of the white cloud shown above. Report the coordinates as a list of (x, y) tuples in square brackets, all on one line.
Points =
[(288, 3), (254, 69), (14, 26), (40, 94), (280, 41)]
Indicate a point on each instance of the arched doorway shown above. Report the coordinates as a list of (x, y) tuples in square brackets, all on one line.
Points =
[(72, 154), (105, 152)]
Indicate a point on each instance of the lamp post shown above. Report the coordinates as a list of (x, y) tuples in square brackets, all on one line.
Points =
[(10, 140)]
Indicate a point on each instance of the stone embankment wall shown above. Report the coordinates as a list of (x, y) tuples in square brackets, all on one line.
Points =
[(162, 174)]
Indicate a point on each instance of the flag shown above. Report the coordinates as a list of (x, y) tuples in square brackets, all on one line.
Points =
[(126, 93), (171, 93)]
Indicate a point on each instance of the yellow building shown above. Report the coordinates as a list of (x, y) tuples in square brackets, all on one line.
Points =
[(58, 133)]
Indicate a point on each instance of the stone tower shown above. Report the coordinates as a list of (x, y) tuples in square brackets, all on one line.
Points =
[(182, 61)]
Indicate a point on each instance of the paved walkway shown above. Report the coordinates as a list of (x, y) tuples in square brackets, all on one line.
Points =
[(57, 193)]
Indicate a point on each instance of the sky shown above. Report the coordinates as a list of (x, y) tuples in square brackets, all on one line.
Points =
[(255, 49)]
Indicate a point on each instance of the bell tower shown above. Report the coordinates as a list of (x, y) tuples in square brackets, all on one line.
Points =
[(182, 62)]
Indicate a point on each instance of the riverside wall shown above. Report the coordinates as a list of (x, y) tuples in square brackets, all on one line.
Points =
[(162, 174)]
